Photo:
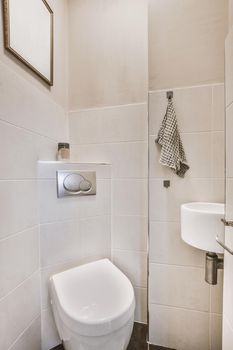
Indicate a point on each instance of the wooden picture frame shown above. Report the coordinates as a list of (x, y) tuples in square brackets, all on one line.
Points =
[(29, 35)]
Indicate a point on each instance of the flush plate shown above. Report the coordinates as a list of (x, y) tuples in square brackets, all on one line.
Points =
[(75, 183)]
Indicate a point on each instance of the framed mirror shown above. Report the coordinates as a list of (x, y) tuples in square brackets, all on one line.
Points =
[(28, 35)]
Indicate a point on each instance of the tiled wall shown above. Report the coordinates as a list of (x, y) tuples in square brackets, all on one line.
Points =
[(184, 311), (73, 230), (31, 122), (118, 135), (228, 268), (29, 129)]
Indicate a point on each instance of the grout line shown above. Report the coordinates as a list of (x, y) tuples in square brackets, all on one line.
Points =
[(29, 84), (179, 266), (105, 215), (143, 103), (142, 141), (24, 331), (20, 284), (194, 132), (189, 87), (229, 105), (144, 251), (27, 130), (12, 235), (48, 267), (187, 178), (181, 308), (19, 180)]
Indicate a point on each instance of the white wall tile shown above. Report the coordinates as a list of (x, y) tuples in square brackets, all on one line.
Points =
[(218, 154), (47, 272), (32, 109), (179, 328), (193, 109), (197, 147), (229, 198), (218, 189), (50, 337), (31, 337), (218, 107), (115, 124), (20, 206), (53, 209), (229, 141), (17, 162), (165, 203), (133, 264), (130, 197), (60, 242), (228, 67), (19, 258), (127, 159), (130, 232), (215, 332), (167, 247), (216, 295), (179, 286), (141, 305), (48, 169), (96, 236), (18, 309), (97, 205)]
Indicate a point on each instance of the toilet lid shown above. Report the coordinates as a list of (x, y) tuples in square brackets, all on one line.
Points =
[(93, 299)]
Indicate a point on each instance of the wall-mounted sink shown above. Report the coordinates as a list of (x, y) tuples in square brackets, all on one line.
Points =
[(201, 223)]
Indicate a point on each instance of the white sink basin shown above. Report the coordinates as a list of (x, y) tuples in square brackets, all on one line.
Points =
[(201, 223)]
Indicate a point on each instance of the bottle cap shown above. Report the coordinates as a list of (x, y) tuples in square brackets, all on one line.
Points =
[(63, 145)]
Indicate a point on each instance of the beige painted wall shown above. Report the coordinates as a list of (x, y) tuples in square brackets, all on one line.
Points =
[(59, 92), (230, 16), (186, 42), (108, 52)]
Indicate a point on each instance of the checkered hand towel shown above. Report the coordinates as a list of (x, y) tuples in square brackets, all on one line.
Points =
[(172, 151)]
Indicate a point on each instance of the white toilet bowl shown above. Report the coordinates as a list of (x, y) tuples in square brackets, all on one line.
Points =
[(93, 307)]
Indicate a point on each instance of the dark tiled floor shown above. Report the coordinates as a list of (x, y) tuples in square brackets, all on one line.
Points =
[(137, 342)]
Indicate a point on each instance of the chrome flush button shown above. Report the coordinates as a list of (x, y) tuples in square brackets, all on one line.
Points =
[(75, 183), (85, 185), (72, 182)]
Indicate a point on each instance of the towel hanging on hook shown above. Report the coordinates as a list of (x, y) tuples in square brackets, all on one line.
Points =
[(172, 151)]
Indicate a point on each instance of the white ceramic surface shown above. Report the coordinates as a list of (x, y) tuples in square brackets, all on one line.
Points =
[(201, 223), (93, 306)]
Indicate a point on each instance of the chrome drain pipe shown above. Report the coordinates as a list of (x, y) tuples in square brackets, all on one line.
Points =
[(212, 265)]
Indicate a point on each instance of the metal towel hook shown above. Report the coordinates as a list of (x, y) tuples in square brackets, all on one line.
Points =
[(169, 95)]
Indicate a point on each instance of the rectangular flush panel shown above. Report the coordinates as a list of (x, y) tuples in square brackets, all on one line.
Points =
[(75, 183)]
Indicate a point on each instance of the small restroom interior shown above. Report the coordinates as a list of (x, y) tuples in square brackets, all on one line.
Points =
[(116, 191)]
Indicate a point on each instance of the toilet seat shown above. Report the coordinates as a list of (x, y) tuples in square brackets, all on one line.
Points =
[(93, 299)]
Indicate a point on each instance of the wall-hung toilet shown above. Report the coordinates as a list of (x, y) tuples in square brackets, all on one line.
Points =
[(93, 307)]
